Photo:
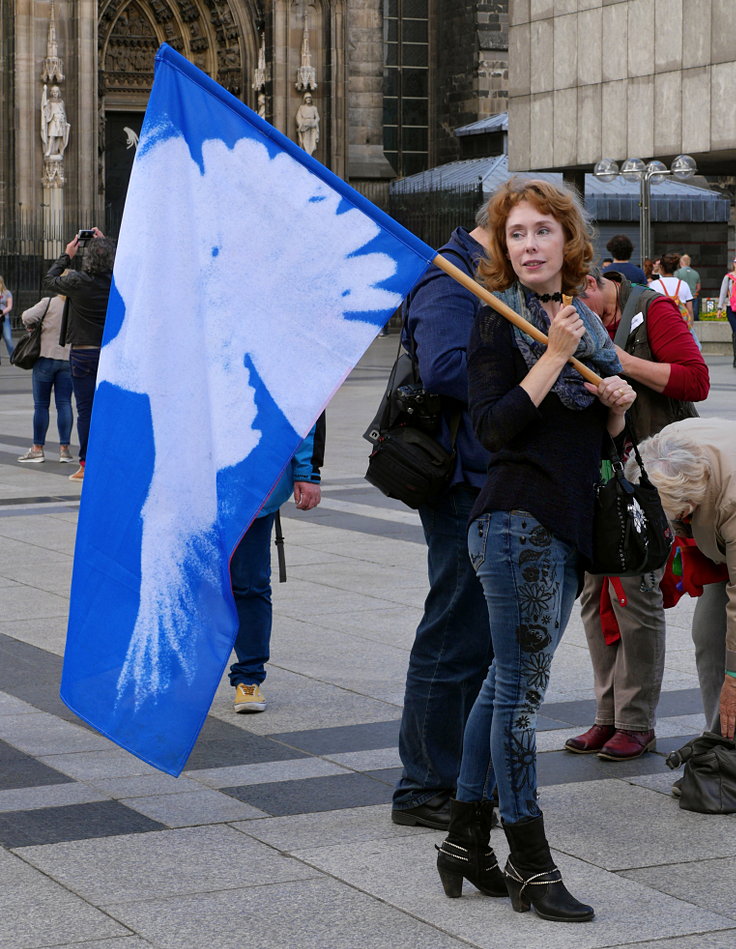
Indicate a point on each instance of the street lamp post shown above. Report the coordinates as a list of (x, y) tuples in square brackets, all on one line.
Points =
[(682, 168)]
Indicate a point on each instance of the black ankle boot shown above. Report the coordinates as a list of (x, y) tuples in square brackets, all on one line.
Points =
[(532, 878), (466, 851)]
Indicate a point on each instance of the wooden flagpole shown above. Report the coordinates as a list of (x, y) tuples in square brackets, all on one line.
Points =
[(487, 297)]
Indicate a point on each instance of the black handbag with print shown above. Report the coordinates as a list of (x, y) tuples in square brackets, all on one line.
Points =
[(631, 533)]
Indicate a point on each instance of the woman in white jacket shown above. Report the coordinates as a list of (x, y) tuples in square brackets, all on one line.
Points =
[(51, 372)]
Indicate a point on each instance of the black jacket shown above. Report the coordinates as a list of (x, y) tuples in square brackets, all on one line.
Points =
[(84, 318)]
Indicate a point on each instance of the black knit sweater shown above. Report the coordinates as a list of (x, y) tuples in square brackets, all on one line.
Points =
[(544, 460)]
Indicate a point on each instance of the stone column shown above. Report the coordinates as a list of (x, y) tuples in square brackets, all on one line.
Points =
[(30, 40), (84, 186), (365, 113), (279, 66)]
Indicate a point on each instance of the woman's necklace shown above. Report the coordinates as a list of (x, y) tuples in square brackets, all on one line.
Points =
[(547, 297)]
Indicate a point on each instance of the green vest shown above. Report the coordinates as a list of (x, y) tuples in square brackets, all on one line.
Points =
[(652, 410)]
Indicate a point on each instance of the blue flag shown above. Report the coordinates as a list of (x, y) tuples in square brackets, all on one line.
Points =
[(248, 282)]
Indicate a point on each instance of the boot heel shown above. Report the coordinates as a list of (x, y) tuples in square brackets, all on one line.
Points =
[(518, 902), (452, 882)]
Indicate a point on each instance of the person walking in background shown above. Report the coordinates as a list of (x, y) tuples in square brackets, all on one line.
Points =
[(622, 249), (250, 571), (50, 373), (87, 291), (671, 286), (727, 303), (530, 526), (452, 645), (6, 307), (692, 279), (663, 363)]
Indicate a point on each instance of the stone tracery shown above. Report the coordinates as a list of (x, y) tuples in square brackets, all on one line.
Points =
[(130, 31)]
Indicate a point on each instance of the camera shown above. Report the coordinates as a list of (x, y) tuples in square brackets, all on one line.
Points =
[(85, 235), (422, 407)]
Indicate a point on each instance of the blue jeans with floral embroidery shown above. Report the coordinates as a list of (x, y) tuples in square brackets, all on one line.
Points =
[(529, 579)]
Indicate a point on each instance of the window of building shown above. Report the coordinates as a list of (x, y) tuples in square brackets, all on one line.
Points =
[(406, 85)]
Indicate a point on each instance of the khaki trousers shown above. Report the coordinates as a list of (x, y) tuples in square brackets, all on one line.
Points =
[(628, 673)]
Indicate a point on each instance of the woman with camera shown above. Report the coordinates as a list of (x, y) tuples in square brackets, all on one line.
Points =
[(87, 291), (530, 529)]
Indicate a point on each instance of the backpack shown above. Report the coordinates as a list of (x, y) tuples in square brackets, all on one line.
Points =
[(676, 299)]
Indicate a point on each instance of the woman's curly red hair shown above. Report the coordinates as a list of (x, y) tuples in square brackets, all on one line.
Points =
[(560, 203)]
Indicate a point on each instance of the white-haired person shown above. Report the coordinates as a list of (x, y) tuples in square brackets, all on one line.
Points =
[(693, 465)]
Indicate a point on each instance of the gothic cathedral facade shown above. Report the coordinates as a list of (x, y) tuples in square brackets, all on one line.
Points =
[(372, 88)]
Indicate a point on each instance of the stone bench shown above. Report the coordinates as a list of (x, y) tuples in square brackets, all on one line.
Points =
[(714, 336)]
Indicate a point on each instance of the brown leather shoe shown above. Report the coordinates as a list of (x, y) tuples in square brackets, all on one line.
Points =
[(591, 741), (627, 744)]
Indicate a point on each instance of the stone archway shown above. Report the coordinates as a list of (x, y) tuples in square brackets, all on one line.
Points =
[(218, 36)]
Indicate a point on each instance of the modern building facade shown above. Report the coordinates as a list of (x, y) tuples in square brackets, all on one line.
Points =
[(619, 78)]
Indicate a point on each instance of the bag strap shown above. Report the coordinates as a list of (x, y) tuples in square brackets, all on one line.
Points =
[(64, 322), (48, 304), (618, 465), (624, 327), (454, 428), (454, 424)]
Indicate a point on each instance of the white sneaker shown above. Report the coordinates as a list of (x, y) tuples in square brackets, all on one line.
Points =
[(249, 698), (65, 455), (33, 456)]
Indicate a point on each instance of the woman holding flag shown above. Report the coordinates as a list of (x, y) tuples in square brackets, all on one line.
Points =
[(530, 529)]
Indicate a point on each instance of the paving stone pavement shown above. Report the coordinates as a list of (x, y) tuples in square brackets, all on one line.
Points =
[(278, 833)]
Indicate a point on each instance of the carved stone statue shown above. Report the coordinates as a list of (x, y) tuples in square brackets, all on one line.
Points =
[(262, 104), (307, 124), (54, 126)]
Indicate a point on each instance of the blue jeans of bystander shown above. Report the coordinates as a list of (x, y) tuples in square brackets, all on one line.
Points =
[(530, 579), (449, 658), (84, 363), (250, 575), (48, 375), (8, 335)]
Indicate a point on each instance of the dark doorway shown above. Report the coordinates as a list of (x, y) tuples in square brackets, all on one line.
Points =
[(121, 135)]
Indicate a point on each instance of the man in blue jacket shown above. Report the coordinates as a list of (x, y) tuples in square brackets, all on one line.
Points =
[(452, 648), (250, 571)]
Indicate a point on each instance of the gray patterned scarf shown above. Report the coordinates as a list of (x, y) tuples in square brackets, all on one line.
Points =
[(595, 349)]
